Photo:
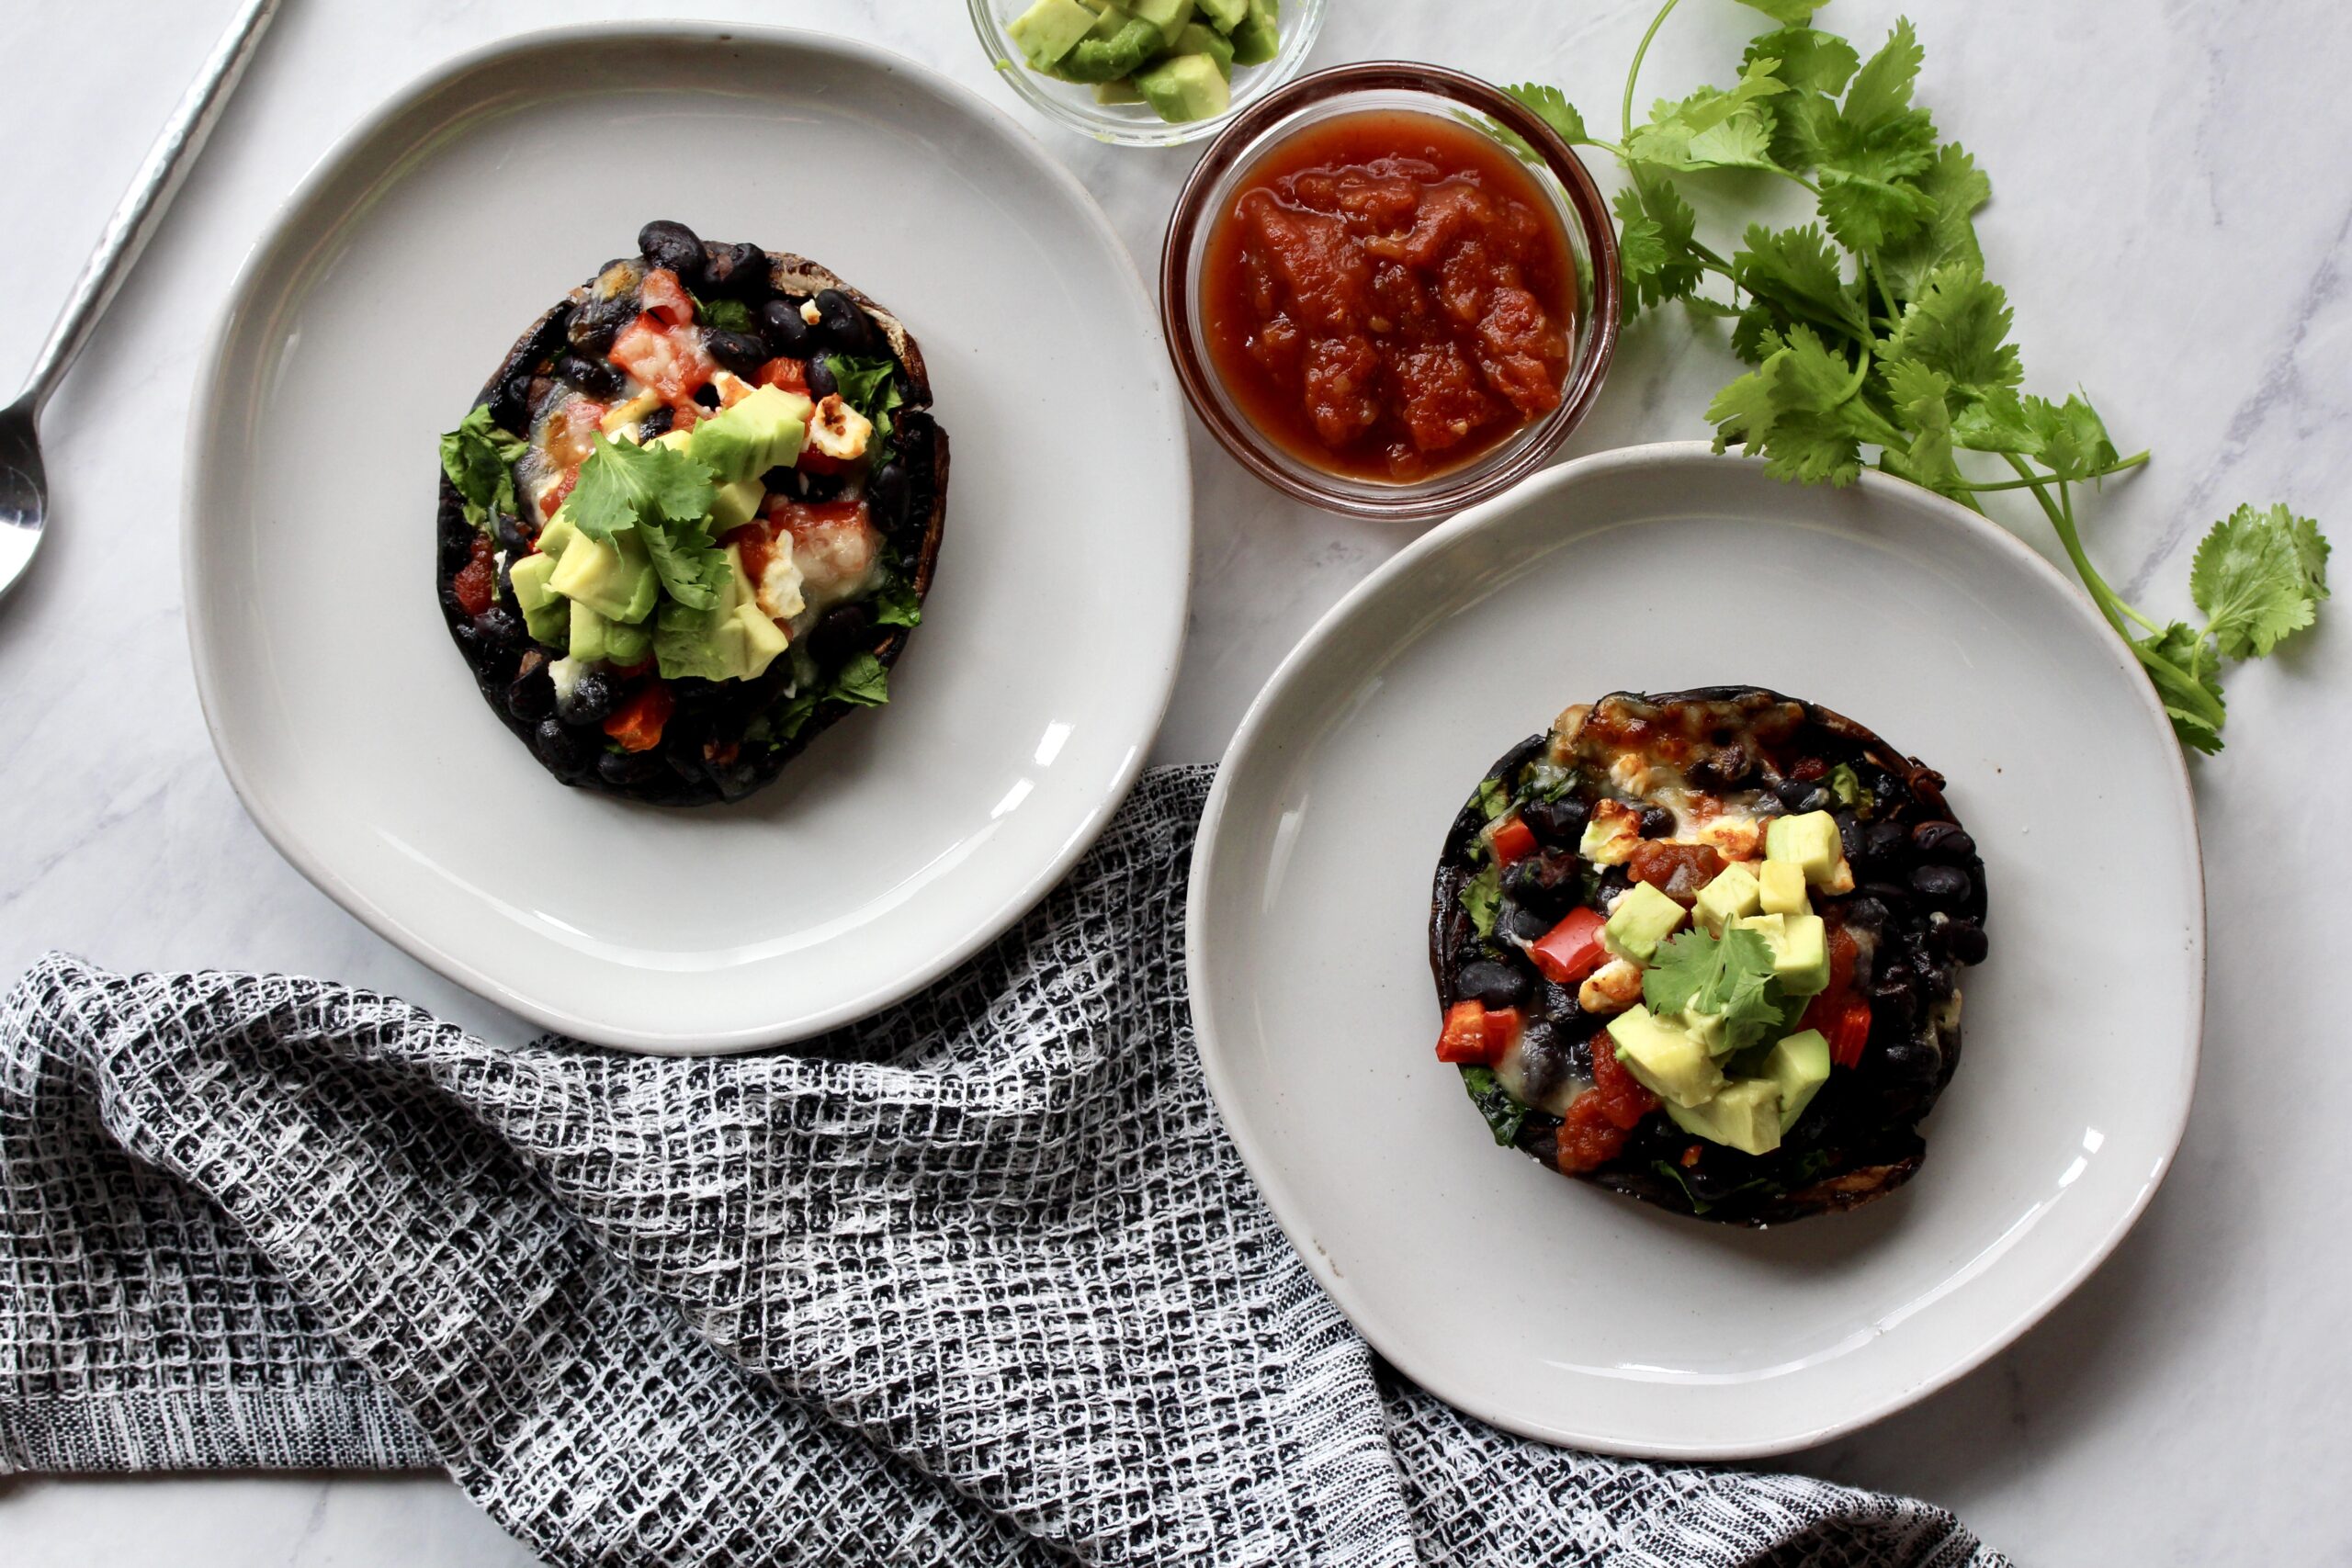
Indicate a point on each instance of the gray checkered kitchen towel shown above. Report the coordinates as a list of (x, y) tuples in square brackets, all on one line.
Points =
[(978, 1280)]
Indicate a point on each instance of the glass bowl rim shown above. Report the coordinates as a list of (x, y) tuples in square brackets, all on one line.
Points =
[(1241, 139), (1031, 89)]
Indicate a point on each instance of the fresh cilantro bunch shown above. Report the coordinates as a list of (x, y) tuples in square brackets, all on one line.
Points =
[(1729, 976), (665, 497), (1876, 329)]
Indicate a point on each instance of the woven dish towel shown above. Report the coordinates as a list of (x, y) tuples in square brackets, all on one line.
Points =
[(979, 1280)]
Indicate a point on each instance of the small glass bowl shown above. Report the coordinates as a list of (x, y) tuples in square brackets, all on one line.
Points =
[(1350, 89), (1136, 125)]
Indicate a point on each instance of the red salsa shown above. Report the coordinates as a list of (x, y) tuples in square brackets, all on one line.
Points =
[(1389, 295)]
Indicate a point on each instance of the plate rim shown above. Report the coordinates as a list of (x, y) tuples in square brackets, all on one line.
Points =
[(206, 416), (1250, 738)]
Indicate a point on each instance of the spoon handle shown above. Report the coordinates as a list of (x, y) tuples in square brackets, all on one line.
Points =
[(159, 178)]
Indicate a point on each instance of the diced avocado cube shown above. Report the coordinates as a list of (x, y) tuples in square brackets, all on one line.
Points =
[(1810, 841), (1744, 1116), (1666, 1060), (1643, 918), (1256, 37), (560, 531), (1168, 16), (1800, 945), (1799, 1066), (1119, 92), (1198, 39), (1730, 896), (614, 577), (1109, 22), (587, 644), (1225, 15), (627, 644), (736, 504), (729, 641), (1185, 88), (1706, 1028), (762, 431), (1049, 30), (547, 612), (1780, 889)]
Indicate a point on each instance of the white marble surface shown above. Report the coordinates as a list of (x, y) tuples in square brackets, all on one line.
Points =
[(2171, 207)]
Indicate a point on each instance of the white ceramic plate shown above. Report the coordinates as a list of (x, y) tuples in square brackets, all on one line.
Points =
[(1571, 1315), (363, 326)]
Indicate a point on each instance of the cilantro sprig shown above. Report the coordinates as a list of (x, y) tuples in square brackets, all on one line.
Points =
[(1875, 329), (1730, 976), (665, 497), (479, 459)]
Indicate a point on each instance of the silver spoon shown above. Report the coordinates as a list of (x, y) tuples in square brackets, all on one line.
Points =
[(24, 489)]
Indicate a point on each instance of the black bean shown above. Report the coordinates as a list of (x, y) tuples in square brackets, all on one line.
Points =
[(591, 699), (739, 272), (1556, 822), (886, 493), (1882, 846), (1966, 941), (531, 695), (1469, 953), (1657, 821), (513, 537), (510, 403), (1866, 911), (1726, 768), (1580, 1055), (1542, 1060), (1793, 793), (1889, 792), (822, 383), (1895, 1000), (1935, 978), (1943, 842), (1546, 883), (787, 333), (626, 767), (1911, 1059), (1940, 886), (1891, 896), (1558, 1003), (1497, 984), (740, 352), (499, 627), (1518, 921), (594, 323), (658, 422), (561, 750), (844, 326), (597, 378), (1614, 880), (837, 635), (674, 245)]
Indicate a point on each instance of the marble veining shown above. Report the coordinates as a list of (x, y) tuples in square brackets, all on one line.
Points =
[(2169, 212)]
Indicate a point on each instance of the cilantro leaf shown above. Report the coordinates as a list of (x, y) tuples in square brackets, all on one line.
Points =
[(1504, 1115), (869, 384), (1811, 61), (1793, 273), (1712, 129), (693, 569), (862, 680), (1730, 976), (1960, 325), (1552, 106), (479, 459), (2258, 577), (897, 605), (722, 315), (1954, 188), (2179, 663), (1799, 408), (793, 717), (1656, 230), (1862, 152), (621, 484)]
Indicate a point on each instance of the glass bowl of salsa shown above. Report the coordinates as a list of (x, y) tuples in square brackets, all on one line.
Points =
[(1390, 289)]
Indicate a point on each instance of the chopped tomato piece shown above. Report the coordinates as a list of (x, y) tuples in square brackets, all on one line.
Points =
[(1850, 1033), (1843, 954), (671, 363), (637, 723), (1465, 1040), (786, 375), (1571, 950), (476, 583), (1679, 871), (665, 296), (1513, 839), (554, 497)]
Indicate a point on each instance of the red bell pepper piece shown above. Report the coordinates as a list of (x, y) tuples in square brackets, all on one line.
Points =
[(1512, 839), (1850, 1033), (1477, 1035), (1571, 950), (637, 723)]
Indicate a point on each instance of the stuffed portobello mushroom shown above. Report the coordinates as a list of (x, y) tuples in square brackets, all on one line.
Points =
[(1703, 949), (691, 519)]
